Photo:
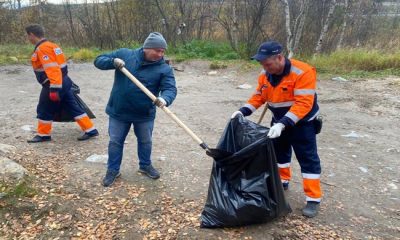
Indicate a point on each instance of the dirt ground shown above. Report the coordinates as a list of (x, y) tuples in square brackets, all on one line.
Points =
[(360, 176)]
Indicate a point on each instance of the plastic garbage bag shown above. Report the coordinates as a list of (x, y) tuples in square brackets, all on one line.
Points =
[(245, 188), (64, 116)]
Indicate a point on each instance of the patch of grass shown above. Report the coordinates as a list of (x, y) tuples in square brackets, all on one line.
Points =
[(85, 54), (357, 63), (15, 53), (348, 63), (22, 189), (21, 53), (218, 65), (128, 44)]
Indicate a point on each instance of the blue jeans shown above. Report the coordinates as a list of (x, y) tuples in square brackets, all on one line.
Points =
[(118, 130)]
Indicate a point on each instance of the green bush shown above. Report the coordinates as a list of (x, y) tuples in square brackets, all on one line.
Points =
[(204, 50)]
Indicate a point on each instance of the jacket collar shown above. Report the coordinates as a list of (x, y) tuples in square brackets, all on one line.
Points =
[(40, 42)]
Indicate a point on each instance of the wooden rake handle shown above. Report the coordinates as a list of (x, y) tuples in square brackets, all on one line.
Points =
[(165, 108)]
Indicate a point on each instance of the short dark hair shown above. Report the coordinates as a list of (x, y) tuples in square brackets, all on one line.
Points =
[(35, 29)]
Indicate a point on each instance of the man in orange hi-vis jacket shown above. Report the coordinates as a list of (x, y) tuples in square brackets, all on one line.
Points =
[(288, 87), (51, 70)]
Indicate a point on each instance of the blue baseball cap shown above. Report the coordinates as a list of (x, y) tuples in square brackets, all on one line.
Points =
[(267, 49)]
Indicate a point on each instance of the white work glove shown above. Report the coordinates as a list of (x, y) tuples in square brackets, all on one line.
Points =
[(160, 102), (235, 114), (118, 63), (276, 130)]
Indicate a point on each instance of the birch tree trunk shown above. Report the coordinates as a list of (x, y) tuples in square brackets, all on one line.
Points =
[(235, 26), (324, 30), (294, 32), (299, 27), (289, 37), (344, 26)]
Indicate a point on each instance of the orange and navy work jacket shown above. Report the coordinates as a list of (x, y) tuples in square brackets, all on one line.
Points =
[(49, 64), (293, 100)]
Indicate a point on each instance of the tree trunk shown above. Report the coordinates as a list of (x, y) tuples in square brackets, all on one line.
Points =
[(68, 14), (324, 30), (301, 19), (344, 26), (166, 24), (235, 26), (289, 34)]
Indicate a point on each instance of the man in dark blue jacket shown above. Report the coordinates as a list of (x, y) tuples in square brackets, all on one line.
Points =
[(128, 105)]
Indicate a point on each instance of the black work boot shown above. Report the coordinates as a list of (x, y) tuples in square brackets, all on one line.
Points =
[(110, 177), (88, 135), (37, 139), (150, 171), (311, 209)]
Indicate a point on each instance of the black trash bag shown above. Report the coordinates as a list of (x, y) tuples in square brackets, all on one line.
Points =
[(63, 115), (245, 188)]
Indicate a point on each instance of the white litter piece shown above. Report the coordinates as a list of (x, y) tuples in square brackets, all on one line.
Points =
[(212, 73), (363, 169), (162, 158), (353, 134), (353, 156), (394, 150), (393, 186), (95, 158), (21, 91), (27, 128), (340, 79), (244, 86)]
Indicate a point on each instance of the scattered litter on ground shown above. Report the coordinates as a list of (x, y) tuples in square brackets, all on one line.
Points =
[(363, 169), (244, 86), (340, 79), (212, 73), (392, 150), (97, 159), (393, 186), (27, 128), (353, 134)]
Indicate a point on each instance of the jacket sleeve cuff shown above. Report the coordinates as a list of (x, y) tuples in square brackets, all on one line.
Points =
[(245, 111), (286, 121), (54, 89)]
